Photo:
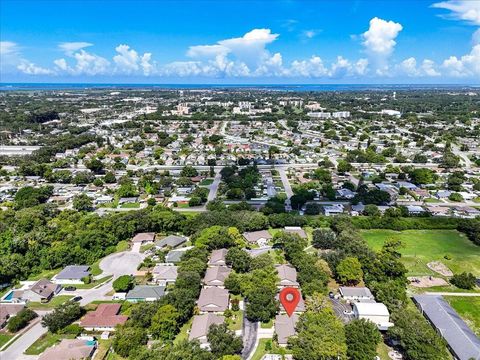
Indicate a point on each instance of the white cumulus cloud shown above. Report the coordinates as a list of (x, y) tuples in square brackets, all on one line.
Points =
[(128, 61), (379, 39), (29, 68), (465, 66)]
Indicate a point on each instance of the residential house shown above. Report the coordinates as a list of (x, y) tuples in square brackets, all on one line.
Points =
[(334, 209), (415, 210), (41, 291), (174, 256), (200, 326), (287, 275), (218, 257), (260, 238), (144, 238), (213, 299), (72, 274), (7, 311), (104, 318), (142, 293), (285, 327), (171, 241), (216, 275), (70, 349), (164, 274), (355, 293)]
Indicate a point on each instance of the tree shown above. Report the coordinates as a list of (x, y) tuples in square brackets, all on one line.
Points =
[(371, 210), (62, 316), (128, 339), (344, 166), (464, 280), (20, 320), (165, 323), (422, 176), (195, 201), (324, 239), (349, 271), (362, 338), (95, 165), (457, 197), (320, 336), (238, 259), (312, 209), (109, 178), (82, 202), (188, 171), (123, 283), (183, 350), (29, 196), (223, 341)]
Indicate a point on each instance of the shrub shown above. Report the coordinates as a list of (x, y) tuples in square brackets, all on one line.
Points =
[(463, 281), (21, 320), (72, 329)]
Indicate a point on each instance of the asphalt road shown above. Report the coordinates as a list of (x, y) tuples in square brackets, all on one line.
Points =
[(286, 183), (16, 349), (214, 187)]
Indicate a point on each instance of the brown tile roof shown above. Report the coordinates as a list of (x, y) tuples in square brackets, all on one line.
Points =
[(104, 316)]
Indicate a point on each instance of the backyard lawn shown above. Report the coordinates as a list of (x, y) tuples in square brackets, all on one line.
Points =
[(424, 246), (468, 308)]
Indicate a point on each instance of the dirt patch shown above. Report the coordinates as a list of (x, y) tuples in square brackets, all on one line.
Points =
[(440, 268), (426, 281)]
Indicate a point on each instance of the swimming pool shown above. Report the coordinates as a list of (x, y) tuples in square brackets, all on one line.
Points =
[(8, 297)]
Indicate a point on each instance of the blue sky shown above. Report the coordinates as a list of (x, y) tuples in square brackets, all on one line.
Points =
[(290, 41)]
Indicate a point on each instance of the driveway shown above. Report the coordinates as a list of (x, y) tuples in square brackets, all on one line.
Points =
[(249, 330), (339, 308)]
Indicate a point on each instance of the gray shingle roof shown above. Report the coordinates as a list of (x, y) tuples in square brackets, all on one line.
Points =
[(460, 338), (171, 240), (74, 272), (146, 291)]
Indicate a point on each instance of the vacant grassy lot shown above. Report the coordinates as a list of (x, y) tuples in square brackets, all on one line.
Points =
[(44, 342), (468, 308), (423, 246)]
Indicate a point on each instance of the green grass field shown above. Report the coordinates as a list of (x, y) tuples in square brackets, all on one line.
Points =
[(44, 342), (468, 308), (4, 338), (423, 246), (57, 300)]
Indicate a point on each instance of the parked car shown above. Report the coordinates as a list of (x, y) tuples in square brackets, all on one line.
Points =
[(77, 298), (70, 288)]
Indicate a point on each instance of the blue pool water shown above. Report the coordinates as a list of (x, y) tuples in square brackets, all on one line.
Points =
[(91, 342), (9, 296)]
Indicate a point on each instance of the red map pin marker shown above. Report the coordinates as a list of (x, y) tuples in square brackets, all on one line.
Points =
[(289, 297)]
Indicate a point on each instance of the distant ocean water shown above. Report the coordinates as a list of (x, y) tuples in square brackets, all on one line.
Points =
[(271, 87)]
